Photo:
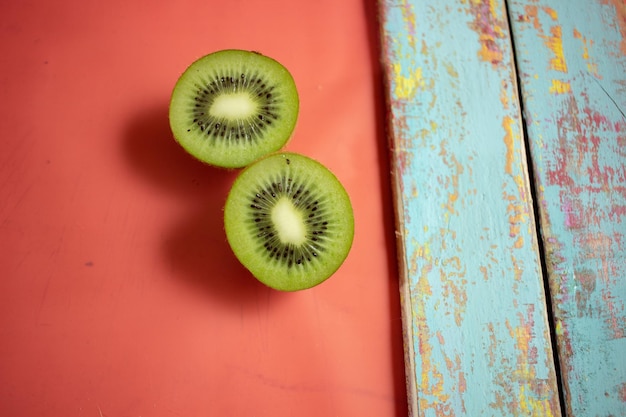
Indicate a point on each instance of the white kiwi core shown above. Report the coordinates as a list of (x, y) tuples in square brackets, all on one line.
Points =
[(288, 222), (233, 106)]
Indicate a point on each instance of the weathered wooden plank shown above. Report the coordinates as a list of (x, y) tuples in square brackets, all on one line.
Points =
[(477, 339), (572, 65)]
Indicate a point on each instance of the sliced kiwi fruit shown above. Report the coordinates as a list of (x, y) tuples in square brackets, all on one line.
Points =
[(232, 107), (289, 221)]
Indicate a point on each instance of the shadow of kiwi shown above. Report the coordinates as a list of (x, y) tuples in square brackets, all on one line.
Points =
[(194, 246), (371, 14), (153, 154), (196, 249)]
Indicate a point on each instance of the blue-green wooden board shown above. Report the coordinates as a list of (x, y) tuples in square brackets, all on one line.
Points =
[(572, 65), (476, 326)]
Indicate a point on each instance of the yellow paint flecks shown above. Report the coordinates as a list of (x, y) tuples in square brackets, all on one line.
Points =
[(423, 251), (531, 396), (408, 16), (579, 35), (509, 142), (531, 15), (620, 8), (560, 87), (490, 26), (451, 70), (517, 207), (523, 338), (592, 66), (452, 197), (555, 43), (431, 380), (496, 10), (517, 217), (505, 94), (522, 186), (551, 12), (531, 406), (559, 328), (452, 181), (486, 53), (517, 268), (406, 86), (454, 367)]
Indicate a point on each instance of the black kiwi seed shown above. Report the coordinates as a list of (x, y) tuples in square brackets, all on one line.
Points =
[(228, 129), (291, 254)]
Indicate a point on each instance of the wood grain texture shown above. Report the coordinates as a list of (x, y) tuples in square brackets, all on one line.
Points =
[(572, 65), (477, 338)]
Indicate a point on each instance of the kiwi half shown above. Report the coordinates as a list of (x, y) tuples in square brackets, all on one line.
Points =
[(289, 221), (232, 107)]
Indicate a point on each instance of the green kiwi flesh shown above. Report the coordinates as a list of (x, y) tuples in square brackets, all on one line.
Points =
[(232, 107), (289, 221)]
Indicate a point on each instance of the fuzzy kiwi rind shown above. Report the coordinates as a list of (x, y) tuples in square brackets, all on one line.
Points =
[(315, 204), (258, 114)]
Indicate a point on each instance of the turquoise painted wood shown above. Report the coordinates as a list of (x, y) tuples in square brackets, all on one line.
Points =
[(572, 65), (477, 336)]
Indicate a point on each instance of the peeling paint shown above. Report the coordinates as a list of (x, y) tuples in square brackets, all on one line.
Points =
[(509, 141), (555, 43), (468, 237), (619, 22), (407, 86), (586, 45), (560, 87), (490, 25), (577, 146)]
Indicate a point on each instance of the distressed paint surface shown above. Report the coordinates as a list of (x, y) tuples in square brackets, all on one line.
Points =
[(477, 338), (572, 65)]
